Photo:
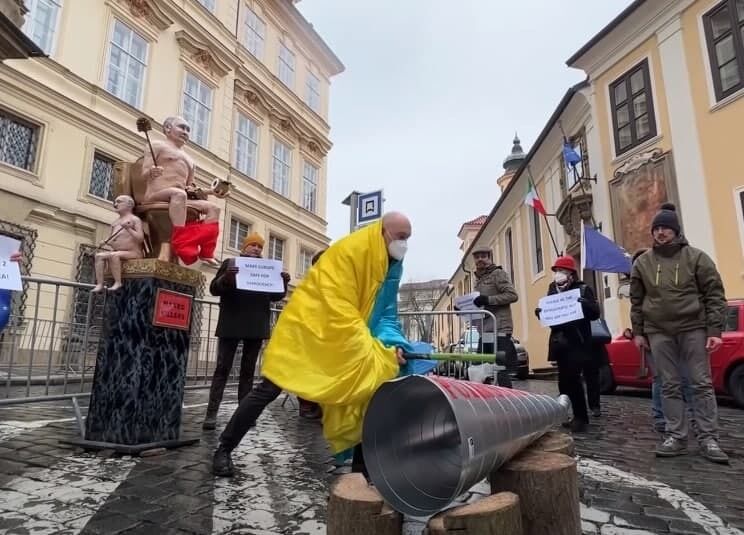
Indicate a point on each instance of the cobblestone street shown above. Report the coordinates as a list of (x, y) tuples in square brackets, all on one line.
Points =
[(285, 469)]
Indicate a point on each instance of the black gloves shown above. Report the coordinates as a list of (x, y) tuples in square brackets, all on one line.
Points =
[(480, 301)]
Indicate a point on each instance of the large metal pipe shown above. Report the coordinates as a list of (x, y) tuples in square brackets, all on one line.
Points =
[(427, 440)]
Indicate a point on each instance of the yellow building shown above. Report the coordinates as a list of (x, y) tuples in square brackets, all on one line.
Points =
[(252, 77), (658, 119)]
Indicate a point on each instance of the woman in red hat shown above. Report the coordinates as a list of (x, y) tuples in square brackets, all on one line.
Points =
[(570, 344)]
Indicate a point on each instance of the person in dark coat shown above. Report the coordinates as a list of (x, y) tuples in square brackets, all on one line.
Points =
[(244, 316), (570, 344)]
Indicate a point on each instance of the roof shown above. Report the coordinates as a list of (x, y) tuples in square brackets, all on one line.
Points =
[(614, 23), (338, 66), (477, 222), (435, 284), (562, 105)]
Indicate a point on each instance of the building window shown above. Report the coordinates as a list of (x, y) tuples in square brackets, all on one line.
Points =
[(309, 187), (509, 253), (281, 168), (126, 65), (41, 22), (312, 92), (537, 249), (286, 66), (569, 177), (246, 146), (17, 141), (632, 109), (238, 231), (102, 177), (276, 248), (305, 261), (209, 4), (255, 34), (197, 108), (724, 25)]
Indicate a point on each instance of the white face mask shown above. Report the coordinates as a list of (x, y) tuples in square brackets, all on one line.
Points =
[(560, 278), (397, 249)]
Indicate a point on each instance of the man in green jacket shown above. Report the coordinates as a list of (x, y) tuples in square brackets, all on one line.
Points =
[(497, 294), (678, 307)]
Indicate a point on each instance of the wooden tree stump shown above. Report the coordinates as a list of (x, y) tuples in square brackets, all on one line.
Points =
[(548, 488), (356, 508), (555, 442), (498, 514)]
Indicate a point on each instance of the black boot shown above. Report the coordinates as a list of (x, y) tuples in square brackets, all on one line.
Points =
[(578, 426), (222, 464)]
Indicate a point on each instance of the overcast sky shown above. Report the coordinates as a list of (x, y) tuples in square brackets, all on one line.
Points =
[(431, 97)]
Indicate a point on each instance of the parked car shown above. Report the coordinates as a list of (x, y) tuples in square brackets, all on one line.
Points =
[(523, 361), (727, 364)]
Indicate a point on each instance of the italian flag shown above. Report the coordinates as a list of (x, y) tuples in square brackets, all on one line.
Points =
[(533, 200)]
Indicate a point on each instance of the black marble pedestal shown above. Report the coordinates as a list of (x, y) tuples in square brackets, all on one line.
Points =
[(138, 384)]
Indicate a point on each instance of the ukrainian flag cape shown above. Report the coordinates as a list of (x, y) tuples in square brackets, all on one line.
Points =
[(322, 348)]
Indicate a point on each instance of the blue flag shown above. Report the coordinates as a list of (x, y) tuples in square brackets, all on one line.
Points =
[(600, 253), (570, 155)]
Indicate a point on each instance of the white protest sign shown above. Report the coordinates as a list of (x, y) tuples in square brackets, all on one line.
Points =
[(10, 272), (561, 308), (259, 275), (465, 302)]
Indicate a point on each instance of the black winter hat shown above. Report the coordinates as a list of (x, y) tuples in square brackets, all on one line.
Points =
[(666, 217)]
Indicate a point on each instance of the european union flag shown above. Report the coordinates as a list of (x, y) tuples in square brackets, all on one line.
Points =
[(600, 253), (570, 155)]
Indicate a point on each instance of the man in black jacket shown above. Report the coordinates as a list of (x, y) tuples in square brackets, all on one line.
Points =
[(570, 344), (244, 316)]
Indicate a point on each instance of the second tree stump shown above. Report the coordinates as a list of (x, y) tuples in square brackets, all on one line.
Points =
[(548, 488)]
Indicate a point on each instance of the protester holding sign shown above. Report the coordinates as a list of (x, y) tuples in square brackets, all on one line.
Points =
[(6, 296), (570, 344), (245, 315), (496, 294)]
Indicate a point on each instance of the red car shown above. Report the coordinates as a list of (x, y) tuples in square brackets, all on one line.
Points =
[(727, 364)]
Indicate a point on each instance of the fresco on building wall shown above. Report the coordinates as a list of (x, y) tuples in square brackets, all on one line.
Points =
[(641, 186)]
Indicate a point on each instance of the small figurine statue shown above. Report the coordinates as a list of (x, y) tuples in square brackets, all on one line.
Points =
[(125, 243)]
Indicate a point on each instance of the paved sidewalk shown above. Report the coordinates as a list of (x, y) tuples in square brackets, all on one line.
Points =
[(285, 469)]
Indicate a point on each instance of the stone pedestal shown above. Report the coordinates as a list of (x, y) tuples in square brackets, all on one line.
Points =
[(138, 384)]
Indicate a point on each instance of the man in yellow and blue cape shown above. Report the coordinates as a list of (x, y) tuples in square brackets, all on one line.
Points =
[(337, 340)]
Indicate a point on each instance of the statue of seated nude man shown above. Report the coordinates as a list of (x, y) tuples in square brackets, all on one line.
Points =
[(125, 243), (170, 178)]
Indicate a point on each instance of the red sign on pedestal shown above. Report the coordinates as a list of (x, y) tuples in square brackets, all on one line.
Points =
[(172, 310)]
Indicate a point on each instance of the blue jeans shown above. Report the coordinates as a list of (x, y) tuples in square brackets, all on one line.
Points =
[(656, 394)]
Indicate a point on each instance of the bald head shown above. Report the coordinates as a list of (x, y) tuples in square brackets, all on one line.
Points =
[(395, 226)]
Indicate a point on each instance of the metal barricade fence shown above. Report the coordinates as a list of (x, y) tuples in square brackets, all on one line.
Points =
[(48, 352)]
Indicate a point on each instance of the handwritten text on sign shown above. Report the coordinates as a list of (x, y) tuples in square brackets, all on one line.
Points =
[(259, 275), (10, 273), (561, 308)]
